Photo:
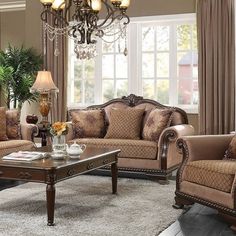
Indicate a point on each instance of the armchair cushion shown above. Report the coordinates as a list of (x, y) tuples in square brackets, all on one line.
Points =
[(125, 123), (12, 119), (157, 121), (3, 135), (88, 123), (217, 174)]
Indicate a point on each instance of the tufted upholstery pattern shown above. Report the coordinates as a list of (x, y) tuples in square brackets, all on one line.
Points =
[(3, 135), (217, 174), (9, 146), (138, 149)]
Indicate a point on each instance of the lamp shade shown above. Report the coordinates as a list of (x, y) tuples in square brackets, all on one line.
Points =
[(44, 83)]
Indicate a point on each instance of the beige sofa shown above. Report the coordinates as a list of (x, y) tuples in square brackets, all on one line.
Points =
[(150, 158)]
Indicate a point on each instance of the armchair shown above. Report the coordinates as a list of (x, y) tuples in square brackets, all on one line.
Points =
[(205, 177)]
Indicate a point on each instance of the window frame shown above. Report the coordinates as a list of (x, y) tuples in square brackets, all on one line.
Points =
[(135, 66)]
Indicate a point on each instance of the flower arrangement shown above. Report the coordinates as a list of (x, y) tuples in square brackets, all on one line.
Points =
[(59, 128)]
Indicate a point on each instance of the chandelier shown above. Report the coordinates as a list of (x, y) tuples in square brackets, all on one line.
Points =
[(80, 20)]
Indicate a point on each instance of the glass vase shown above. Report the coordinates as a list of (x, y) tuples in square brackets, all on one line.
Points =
[(59, 143)]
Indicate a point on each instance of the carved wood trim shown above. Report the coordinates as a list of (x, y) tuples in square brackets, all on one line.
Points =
[(207, 203), (51, 177), (24, 175), (181, 144), (167, 137), (133, 100)]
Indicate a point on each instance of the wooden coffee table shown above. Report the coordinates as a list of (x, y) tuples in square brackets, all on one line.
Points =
[(51, 171)]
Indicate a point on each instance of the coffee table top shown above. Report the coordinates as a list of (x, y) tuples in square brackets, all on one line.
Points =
[(91, 153)]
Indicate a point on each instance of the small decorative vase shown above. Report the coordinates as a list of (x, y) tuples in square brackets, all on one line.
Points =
[(59, 143)]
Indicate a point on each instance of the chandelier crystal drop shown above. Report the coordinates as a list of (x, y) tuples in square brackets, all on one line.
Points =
[(80, 20)]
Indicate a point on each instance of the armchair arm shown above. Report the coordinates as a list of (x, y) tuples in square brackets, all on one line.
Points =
[(204, 147), (167, 150), (28, 131), (70, 134)]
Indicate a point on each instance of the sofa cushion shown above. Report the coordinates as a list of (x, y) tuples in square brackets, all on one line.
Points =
[(217, 174), (88, 123), (230, 153), (138, 149), (9, 146), (157, 121), (12, 117), (3, 134), (125, 123)]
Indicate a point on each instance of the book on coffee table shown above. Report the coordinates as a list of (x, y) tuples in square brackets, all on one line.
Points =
[(24, 156)]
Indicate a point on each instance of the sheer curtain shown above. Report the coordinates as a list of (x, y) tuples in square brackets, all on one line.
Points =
[(216, 41)]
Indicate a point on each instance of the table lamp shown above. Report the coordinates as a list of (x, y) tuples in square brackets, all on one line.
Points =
[(44, 85)]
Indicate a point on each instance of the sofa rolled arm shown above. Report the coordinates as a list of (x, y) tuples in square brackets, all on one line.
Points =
[(168, 153), (28, 131), (204, 147), (70, 134)]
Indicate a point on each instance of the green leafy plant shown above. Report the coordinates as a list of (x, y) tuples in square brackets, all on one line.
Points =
[(18, 69)]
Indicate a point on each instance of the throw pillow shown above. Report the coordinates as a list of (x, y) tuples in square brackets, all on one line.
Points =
[(125, 123), (230, 153), (3, 134), (13, 118), (88, 123), (157, 121)]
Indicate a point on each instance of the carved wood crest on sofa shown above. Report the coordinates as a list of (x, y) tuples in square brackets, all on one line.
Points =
[(158, 158)]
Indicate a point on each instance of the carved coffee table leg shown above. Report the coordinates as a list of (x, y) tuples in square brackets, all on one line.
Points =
[(50, 203), (114, 174)]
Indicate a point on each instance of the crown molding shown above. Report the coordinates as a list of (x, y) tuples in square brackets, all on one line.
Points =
[(12, 5)]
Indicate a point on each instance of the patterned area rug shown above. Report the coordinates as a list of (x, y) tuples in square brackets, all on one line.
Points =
[(86, 207)]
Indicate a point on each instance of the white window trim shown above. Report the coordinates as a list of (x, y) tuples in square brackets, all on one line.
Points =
[(134, 68)]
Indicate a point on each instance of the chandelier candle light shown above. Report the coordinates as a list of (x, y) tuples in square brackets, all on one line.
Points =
[(85, 26)]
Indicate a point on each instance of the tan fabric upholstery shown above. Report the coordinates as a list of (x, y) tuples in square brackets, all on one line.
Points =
[(125, 124), (12, 117), (3, 134), (88, 123), (208, 194), (27, 131), (138, 149), (217, 174), (9, 146), (157, 121)]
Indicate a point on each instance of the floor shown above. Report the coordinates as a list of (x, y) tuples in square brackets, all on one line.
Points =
[(199, 220), (196, 221)]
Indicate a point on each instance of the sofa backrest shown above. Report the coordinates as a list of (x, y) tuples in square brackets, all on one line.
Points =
[(137, 102)]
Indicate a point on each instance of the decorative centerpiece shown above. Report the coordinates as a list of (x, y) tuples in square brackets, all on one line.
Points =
[(58, 130)]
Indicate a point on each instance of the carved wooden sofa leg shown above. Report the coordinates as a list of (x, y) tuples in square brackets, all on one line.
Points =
[(180, 203), (229, 219)]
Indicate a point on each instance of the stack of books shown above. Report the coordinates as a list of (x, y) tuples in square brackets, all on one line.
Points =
[(24, 156)]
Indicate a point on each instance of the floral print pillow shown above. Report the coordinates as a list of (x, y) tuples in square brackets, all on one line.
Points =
[(88, 123), (3, 135), (157, 121), (12, 120)]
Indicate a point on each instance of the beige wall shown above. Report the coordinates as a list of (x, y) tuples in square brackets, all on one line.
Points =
[(12, 29), (160, 7)]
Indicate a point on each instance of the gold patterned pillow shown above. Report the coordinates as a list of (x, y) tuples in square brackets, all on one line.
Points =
[(157, 121), (13, 118), (3, 134), (230, 153), (88, 123), (125, 123)]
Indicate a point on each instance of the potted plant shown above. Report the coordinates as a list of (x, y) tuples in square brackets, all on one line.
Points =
[(18, 68)]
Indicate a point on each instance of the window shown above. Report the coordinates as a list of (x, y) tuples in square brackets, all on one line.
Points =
[(161, 65)]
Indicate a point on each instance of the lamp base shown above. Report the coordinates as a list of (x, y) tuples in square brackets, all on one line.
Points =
[(44, 108)]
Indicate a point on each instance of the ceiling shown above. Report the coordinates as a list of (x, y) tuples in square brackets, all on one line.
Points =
[(12, 5)]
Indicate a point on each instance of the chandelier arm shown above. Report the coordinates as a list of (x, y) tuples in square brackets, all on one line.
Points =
[(57, 17)]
